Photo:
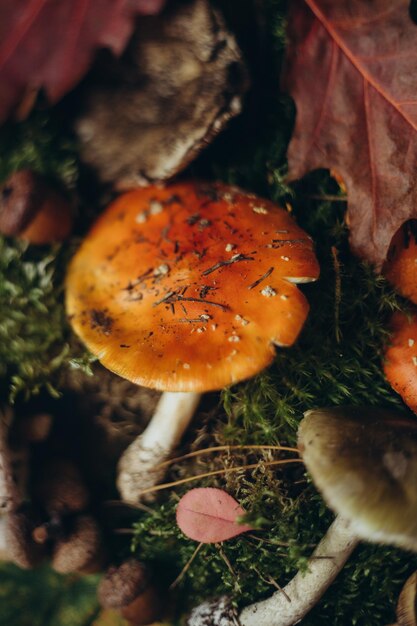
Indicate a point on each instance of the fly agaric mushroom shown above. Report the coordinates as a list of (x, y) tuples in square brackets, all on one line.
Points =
[(31, 210), (400, 364), (187, 289), (364, 462), (400, 268)]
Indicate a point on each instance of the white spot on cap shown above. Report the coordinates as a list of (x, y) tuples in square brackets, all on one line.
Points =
[(234, 338), (161, 270), (284, 296), (285, 258), (242, 320), (204, 317), (414, 360), (186, 366), (260, 209), (268, 292), (141, 217), (229, 247), (155, 207), (410, 343)]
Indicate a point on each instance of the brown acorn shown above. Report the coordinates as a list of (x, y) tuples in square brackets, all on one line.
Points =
[(31, 210), (128, 588), (81, 550)]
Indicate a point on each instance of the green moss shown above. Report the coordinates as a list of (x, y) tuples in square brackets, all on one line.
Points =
[(35, 340), (46, 598)]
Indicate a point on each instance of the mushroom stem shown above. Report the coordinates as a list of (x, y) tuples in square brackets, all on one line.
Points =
[(138, 462), (305, 589)]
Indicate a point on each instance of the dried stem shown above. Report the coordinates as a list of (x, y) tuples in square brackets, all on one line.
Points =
[(227, 470)]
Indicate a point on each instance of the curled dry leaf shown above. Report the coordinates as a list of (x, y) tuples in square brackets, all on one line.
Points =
[(210, 515), (351, 69), (47, 44)]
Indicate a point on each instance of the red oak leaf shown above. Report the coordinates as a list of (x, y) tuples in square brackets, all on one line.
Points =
[(209, 515), (351, 67), (50, 43)]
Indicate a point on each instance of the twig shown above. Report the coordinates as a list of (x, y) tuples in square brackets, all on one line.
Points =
[(258, 282), (224, 448), (235, 259), (186, 567)]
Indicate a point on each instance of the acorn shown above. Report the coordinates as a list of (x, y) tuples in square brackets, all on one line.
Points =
[(60, 487), (32, 210), (128, 588), (21, 547), (81, 550)]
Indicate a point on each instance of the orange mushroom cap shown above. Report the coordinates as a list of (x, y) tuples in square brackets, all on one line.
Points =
[(400, 364), (400, 269), (188, 287)]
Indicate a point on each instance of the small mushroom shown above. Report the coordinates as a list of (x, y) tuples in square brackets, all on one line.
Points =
[(81, 550), (364, 462), (31, 210), (400, 268), (187, 289), (400, 362), (128, 589)]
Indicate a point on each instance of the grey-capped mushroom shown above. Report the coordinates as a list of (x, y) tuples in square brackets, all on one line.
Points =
[(364, 462)]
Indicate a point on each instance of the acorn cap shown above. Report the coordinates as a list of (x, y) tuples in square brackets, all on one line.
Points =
[(364, 462), (400, 364), (400, 268), (21, 547), (60, 487), (189, 287), (81, 550), (30, 209), (122, 584)]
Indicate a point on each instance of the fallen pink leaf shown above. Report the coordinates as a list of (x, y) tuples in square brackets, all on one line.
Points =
[(210, 515)]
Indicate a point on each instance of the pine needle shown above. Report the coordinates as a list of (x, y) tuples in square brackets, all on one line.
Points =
[(223, 448), (228, 470)]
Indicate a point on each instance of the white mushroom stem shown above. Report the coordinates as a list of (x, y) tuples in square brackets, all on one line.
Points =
[(138, 464), (289, 606)]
